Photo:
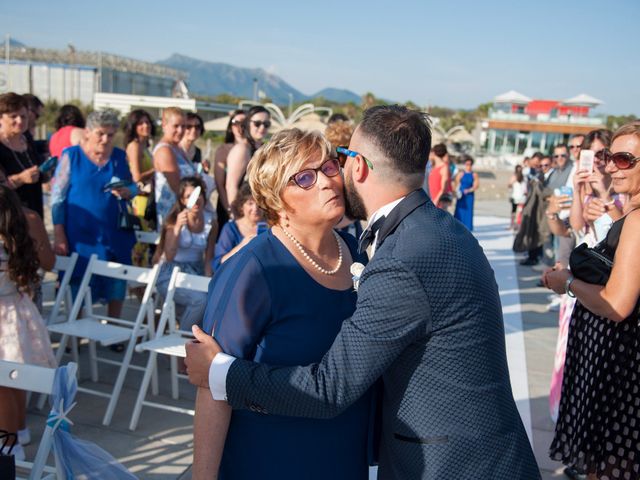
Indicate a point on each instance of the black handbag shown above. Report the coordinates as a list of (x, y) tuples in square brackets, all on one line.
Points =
[(126, 219), (7, 460), (591, 265)]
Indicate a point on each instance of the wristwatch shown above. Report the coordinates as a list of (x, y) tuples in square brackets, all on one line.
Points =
[(567, 286)]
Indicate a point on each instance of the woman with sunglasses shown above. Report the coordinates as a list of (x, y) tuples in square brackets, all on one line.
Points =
[(170, 162), (232, 137), (282, 299), (193, 130), (593, 194), (254, 130), (599, 419)]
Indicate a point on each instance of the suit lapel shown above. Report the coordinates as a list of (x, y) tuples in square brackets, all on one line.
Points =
[(405, 207)]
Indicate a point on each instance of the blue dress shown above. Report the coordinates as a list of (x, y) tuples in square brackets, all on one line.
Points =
[(90, 216), (464, 205), (230, 236), (265, 307)]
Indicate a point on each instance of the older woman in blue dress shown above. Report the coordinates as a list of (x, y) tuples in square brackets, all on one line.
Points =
[(282, 299), (85, 213)]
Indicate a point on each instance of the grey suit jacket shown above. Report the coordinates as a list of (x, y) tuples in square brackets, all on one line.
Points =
[(429, 322)]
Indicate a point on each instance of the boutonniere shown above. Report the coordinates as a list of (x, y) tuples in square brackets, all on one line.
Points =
[(356, 271)]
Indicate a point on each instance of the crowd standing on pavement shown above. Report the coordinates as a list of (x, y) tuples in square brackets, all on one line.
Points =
[(556, 205), (580, 211)]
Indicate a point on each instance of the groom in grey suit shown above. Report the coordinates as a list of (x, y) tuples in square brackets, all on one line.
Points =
[(428, 322)]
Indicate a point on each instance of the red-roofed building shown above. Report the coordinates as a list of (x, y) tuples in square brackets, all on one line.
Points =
[(518, 124)]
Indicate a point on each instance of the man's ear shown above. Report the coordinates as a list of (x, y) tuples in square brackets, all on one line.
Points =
[(360, 169)]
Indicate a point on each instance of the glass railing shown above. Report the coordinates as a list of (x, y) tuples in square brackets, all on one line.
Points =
[(546, 118)]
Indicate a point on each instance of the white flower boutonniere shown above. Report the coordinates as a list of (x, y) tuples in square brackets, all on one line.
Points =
[(356, 271)]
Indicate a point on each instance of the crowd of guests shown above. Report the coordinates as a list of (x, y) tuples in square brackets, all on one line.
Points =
[(100, 194), (447, 183), (582, 200)]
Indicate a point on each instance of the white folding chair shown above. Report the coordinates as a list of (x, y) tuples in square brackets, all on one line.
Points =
[(63, 297), (170, 343), (34, 378), (152, 238), (107, 330)]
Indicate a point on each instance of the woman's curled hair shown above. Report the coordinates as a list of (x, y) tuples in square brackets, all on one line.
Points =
[(22, 266)]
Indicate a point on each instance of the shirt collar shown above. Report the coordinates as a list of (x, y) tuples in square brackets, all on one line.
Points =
[(385, 210)]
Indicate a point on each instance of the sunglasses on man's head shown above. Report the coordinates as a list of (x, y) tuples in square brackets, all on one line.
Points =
[(575, 146), (622, 160), (260, 123), (344, 152), (561, 155), (308, 177), (545, 165)]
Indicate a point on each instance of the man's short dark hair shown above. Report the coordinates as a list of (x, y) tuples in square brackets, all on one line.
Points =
[(562, 145), (402, 135), (538, 155), (440, 150), (337, 117), (33, 102)]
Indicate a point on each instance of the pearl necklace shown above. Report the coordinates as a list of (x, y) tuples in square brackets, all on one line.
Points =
[(304, 253)]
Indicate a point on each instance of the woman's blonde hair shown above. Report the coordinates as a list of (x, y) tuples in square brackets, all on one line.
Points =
[(273, 165), (631, 128), (172, 111)]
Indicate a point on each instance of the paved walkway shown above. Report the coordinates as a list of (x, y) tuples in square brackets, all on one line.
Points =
[(161, 447)]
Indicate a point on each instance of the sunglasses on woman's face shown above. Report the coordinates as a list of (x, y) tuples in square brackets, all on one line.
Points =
[(622, 160), (308, 177), (260, 123)]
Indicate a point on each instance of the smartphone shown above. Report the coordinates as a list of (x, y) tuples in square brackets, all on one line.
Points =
[(586, 160), (116, 184), (48, 165), (262, 227)]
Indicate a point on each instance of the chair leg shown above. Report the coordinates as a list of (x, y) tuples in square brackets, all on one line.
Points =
[(93, 360), (74, 350), (115, 395), (137, 409), (174, 377)]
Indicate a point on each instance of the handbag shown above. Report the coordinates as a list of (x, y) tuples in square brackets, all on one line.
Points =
[(591, 265), (151, 212), (126, 219), (7, 460)]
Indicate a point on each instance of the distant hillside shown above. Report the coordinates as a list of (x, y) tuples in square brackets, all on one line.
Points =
[(208, 78), (338, 95), (211, 79), (12, 43)]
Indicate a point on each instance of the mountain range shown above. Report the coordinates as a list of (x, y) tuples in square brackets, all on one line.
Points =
[(211, 79)]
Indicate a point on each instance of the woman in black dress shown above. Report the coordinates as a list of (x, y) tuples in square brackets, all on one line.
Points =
[(19, 159), (598, 429)]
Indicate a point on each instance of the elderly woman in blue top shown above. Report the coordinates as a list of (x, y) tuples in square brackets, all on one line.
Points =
[(85, 213), (247, 222)]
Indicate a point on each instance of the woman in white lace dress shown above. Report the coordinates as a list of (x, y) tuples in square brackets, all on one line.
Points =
[(24, 247)]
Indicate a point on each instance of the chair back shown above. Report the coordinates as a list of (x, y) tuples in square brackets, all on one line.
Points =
[(39, 379), (152, 238), (66, 265)]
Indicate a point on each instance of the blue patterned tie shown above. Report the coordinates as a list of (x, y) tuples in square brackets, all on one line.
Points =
[(369, 235)]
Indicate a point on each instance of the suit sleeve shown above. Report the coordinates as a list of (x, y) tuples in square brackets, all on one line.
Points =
[(392, 312)]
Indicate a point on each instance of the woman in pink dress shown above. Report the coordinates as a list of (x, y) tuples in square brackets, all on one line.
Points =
[(24, 247)]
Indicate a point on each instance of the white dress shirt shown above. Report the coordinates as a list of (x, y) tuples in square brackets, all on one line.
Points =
[(222, 362)]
